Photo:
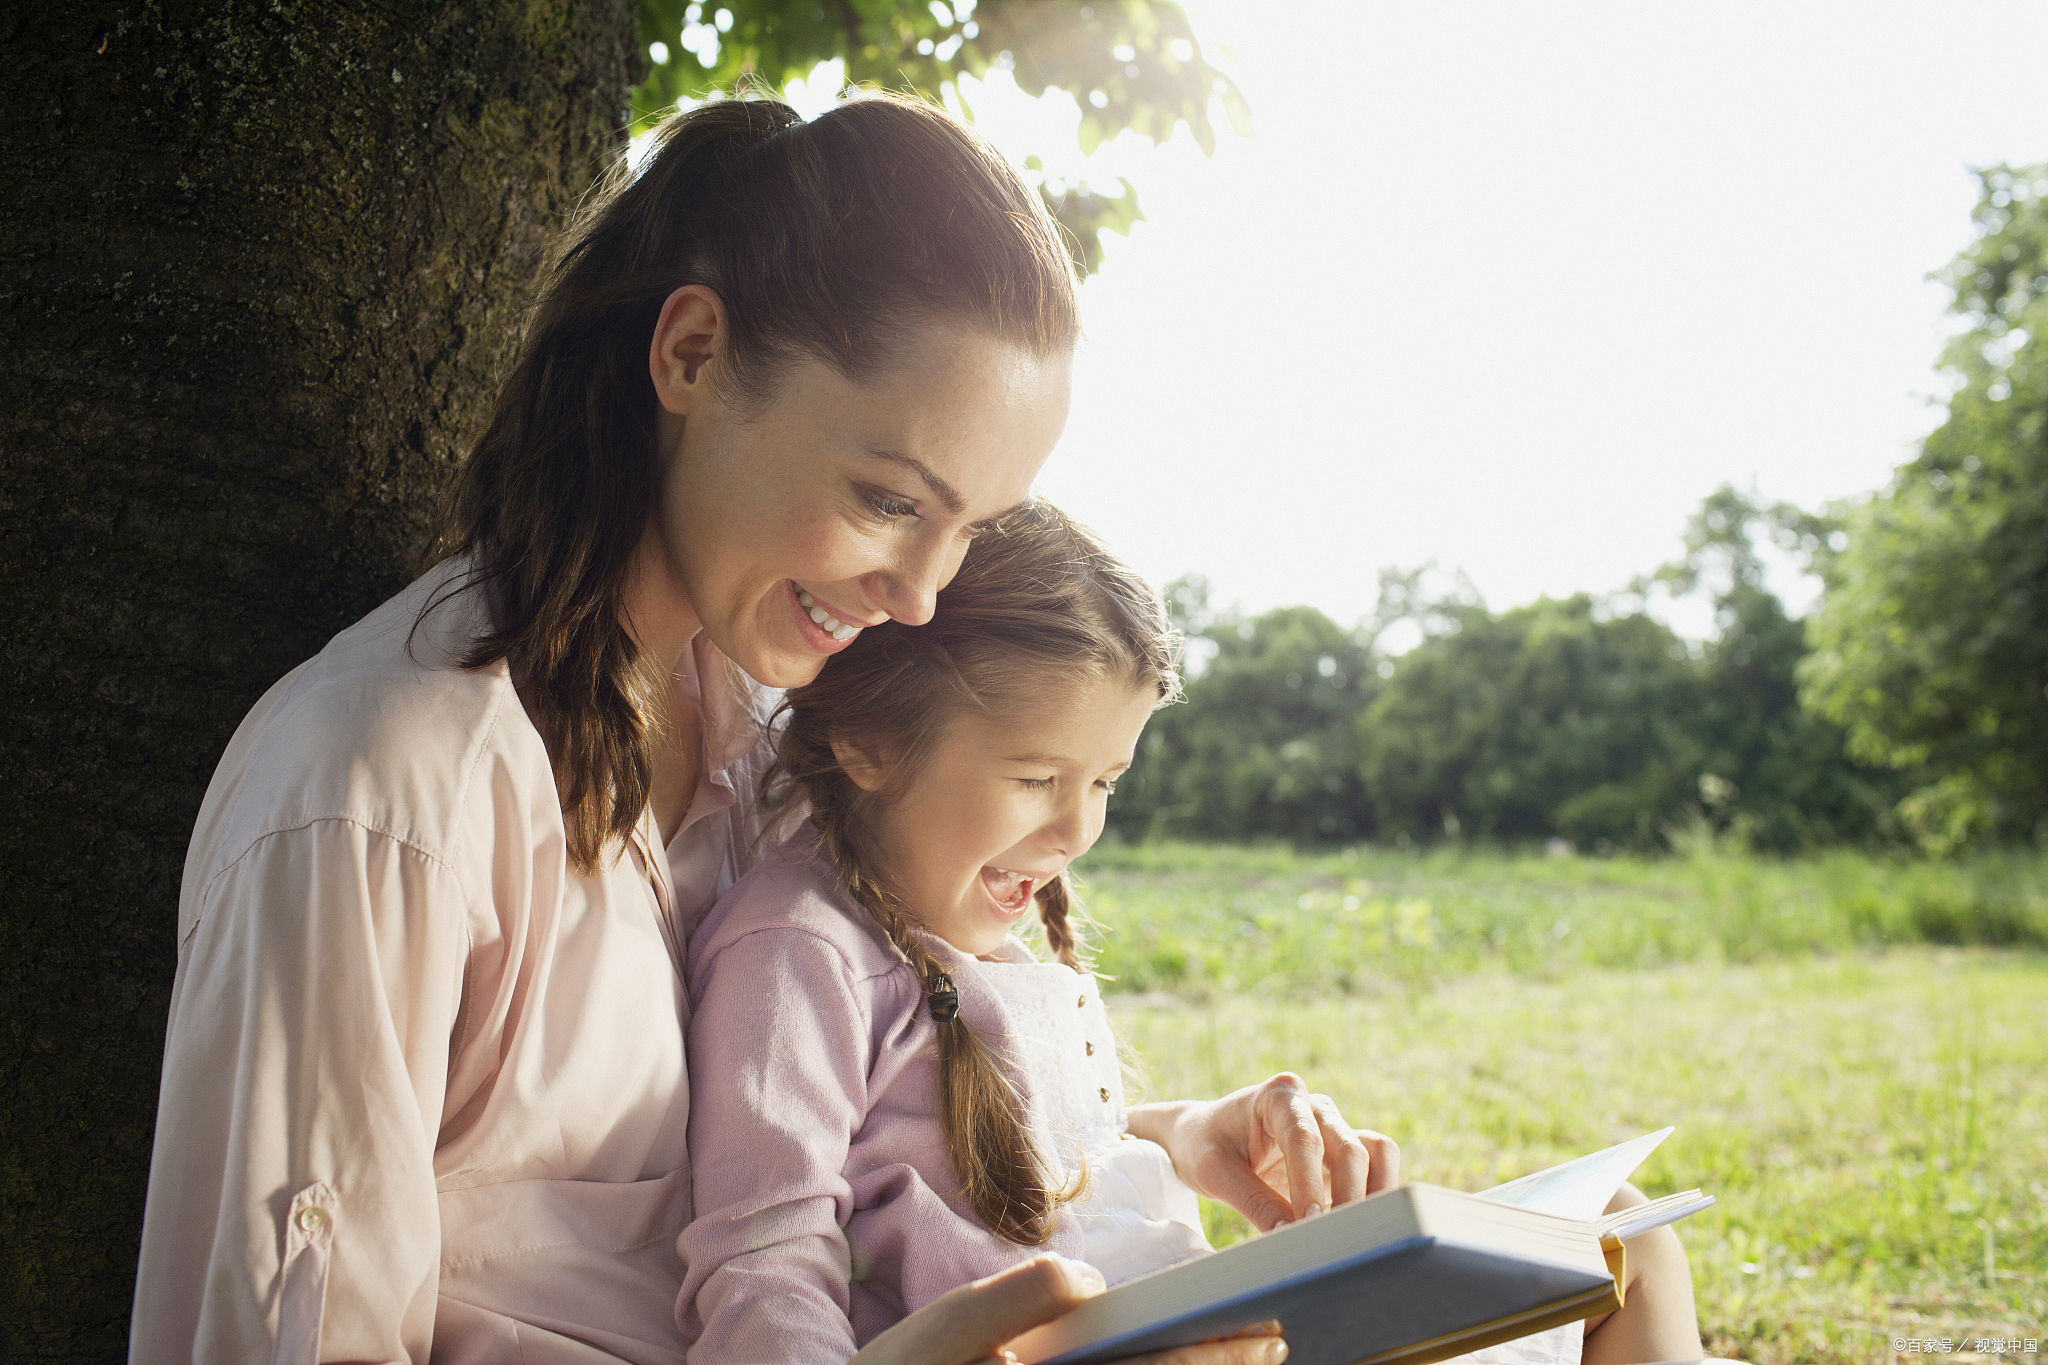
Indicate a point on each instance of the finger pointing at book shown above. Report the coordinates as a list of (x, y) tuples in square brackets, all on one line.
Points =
[(1272, 1151), (1358, 1163), (1314, 1159)]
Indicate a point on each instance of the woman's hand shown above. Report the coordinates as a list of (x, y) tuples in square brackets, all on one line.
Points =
[(1272, 1151), (971, 1324)]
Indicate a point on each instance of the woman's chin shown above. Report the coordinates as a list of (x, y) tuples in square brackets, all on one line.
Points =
[(783, 668)]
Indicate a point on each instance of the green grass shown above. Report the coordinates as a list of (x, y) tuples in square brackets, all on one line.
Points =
[(1865, 1113), (1201, 919)]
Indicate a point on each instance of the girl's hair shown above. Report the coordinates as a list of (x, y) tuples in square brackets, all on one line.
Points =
[(1038, 607), (833, 239)]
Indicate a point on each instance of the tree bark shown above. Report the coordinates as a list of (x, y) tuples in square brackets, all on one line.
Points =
[(261, 264)]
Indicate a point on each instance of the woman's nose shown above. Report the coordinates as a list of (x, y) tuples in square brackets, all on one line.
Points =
[(911, 591)]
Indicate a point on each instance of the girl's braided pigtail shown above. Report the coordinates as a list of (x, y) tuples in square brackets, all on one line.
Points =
[(1000, 1170), (1057, 912)]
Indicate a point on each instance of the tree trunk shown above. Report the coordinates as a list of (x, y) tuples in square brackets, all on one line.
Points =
[(261, 264)]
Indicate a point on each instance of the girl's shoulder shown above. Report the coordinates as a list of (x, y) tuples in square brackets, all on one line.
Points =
[(792, 896)]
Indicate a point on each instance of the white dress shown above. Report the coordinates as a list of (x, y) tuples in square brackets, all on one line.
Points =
[(1136, 1215)]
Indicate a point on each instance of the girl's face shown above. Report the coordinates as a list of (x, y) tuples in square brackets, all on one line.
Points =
[(1003, 805), (850, 502)]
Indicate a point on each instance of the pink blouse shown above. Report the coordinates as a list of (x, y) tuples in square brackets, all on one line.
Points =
[(424, 1088)]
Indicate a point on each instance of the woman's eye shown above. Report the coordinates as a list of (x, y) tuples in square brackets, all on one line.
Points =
[(1036, 784), (887, 505), (1108, 786)]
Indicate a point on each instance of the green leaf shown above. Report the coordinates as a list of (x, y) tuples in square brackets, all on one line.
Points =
[(1124, 49), (1087, 215)]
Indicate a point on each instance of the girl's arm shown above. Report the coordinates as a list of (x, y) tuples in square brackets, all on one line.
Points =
[(1271, 1150), (779, 1052), (291, 1192)]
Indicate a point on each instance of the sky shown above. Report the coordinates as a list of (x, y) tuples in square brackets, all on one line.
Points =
[(1511, 288)]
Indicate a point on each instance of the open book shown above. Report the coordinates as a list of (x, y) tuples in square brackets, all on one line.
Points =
[(1408, 1276)]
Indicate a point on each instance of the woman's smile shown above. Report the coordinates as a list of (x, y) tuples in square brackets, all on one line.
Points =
[(819, 625)]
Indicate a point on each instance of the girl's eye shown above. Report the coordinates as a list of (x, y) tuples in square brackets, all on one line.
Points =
[(1108, 785), (1036, 784), (887, 505)]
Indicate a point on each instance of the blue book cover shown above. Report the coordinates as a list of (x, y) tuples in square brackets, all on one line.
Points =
[(1410, 1275)]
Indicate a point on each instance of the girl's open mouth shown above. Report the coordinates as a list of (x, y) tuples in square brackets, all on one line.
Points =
[(1011, 891)]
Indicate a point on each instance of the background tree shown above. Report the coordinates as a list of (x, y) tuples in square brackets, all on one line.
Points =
[(1264, 745), (1586, 720), (264, 261), (1931, 646), (1547, 719), (1777, 773)]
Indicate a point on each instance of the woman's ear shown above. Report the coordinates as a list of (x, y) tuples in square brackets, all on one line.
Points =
[(867, 771), (688, 335)]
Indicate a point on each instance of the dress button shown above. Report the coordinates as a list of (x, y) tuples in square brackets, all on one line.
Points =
[(312, 1218), (1091, 1048), (1105, 1094), (1082, 1002)]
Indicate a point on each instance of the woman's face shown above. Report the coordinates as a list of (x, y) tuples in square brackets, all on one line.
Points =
[(847, 501)]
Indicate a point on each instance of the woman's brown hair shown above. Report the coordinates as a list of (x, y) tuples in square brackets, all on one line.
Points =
[(1039, 606), (832, 239)]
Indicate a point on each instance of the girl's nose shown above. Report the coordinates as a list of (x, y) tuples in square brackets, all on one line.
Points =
[(1072, 831)]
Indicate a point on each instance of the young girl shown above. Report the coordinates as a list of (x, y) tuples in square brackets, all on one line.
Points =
[(890, 1096)]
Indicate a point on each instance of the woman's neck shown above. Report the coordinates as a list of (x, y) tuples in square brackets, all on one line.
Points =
[(662, 622), (658, 611)]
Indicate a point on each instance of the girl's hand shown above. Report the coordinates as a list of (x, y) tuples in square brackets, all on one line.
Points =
[(1272, 1151), (970, 1324)]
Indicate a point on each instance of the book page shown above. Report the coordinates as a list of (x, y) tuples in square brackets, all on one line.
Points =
[(1582, 1187), (1627, 1223)]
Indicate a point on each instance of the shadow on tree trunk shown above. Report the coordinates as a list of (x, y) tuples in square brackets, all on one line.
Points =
[(263, 263)]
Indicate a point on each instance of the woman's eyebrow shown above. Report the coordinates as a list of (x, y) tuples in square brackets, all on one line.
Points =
[(1050, 760), (943, 491)]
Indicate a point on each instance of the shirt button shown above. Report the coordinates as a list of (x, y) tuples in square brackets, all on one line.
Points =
[(312, 1218), (1090, 1047), (1082, 1002), (1105, 1094)]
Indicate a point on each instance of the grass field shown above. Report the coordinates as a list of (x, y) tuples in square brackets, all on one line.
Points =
[(1870, 1107)]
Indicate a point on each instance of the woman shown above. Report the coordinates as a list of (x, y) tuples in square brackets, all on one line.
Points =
[(424, 1089)]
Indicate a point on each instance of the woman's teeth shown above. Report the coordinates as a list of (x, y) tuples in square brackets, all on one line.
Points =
[(827, 622)]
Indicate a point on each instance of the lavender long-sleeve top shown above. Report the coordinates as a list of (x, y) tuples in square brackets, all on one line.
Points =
[(826, 1205)]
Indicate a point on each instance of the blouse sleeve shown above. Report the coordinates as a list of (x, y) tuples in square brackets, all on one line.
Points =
[(779, 1048), (291, 1212)]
